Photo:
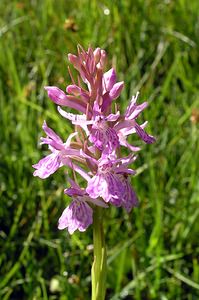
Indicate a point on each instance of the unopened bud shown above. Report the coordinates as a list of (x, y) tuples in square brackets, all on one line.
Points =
[(56, 95), (74, 60), (97, 55), (73, 89), (103, 59), (116, 90)]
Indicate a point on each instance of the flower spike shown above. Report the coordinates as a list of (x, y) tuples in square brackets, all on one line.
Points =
[(101, 130)]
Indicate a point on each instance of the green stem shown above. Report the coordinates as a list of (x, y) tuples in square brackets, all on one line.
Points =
[(99, 264)]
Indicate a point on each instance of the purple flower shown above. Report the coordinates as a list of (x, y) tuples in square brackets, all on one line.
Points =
[(129, 199), (111, 182), (78, 215), (129, 125), (103, 135), (60, 98), (111, 89), (108, 81), (61, 153)]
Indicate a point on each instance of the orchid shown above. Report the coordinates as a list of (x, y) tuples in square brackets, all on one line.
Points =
[(61, 153), (78, 215), (94, 150), (111, 184)]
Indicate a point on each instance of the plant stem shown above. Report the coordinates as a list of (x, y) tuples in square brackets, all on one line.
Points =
[(99, 264)]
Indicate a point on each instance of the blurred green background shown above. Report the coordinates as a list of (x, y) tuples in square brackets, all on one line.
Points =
[(153, 252)]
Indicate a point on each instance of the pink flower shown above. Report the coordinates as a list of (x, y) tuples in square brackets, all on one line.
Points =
[(111, 88), (78, 215), (102, 133), (60, 98), (129, 124), (61, 153), (111, 182)]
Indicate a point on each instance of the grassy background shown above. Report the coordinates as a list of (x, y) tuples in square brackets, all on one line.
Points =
[(153, 252)]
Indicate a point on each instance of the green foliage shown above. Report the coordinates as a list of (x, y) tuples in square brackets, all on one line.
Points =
[(153, 252)]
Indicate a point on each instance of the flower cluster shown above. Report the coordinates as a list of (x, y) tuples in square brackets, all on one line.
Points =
[(100, 132)]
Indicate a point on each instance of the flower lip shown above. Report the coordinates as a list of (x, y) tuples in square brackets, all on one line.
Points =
[(78, 215)]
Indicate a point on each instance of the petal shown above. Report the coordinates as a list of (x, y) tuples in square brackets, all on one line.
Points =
[(65, 217), (69, 116), (124, 124), (78, 215), (80, 171), (73, 89), (149, 139), (74, 184), (125, 160), (83, 216), (103, 59), (78, 91), (52, 138), (60, 98), (129, 199), (123, 142), (96, 201), (135, 110), (112, 117), (124, 170), (134, 98), (116, 90), (115, 190), (97, 55), (47, 166), (97, 138), (97, 187), (74, 60), (106, 101), (132, 103), (74, 189), (109, 79), (50, 133), (76, 119), (73, 192), (129, 130), (106, 186), (112, 139), (56, 95)]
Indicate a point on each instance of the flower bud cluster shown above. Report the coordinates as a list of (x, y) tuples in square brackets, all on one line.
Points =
[(94, 149)]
